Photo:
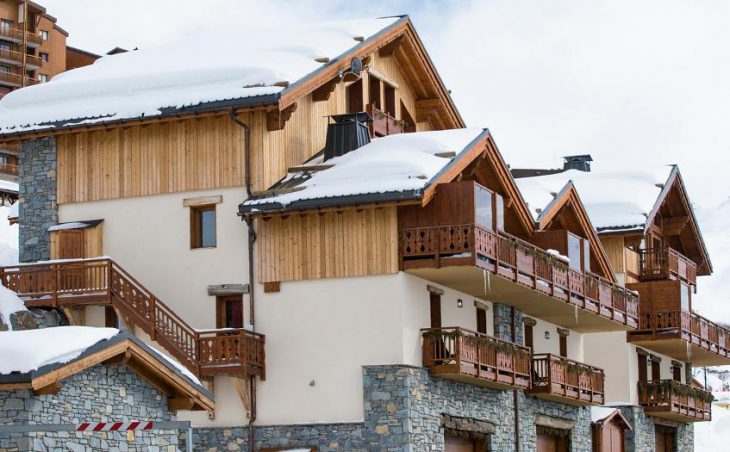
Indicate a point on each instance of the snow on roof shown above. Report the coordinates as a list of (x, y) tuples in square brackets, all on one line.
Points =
[(613, 199), (599, 413), (395, 163), (28, 350), (6, 185), (9, 304), (231, 64), (13, 211)]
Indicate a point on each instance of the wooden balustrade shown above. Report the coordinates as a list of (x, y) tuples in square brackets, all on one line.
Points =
[(689, 326), (19, 57), (384, 124), (16, 34), (555, 377), (666, 263), (466, 355), (520, 261), (674, 400), (74, 283)]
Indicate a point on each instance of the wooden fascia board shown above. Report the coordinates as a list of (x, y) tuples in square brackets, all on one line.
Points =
[(676, 178), (266, 215)]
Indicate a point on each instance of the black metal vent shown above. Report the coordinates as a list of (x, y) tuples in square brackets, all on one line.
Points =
[(578, 162), (347, 133)]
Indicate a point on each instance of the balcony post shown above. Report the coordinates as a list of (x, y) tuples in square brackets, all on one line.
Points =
[(457, 345)]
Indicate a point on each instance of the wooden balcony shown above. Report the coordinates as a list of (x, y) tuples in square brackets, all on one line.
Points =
[(672, 400), (666, 263), (11, 79), (16, 35), (470, 357), (520, 274), (383, 124), (684, 336), (17, 58), (9, 168), (566, 381), (77, 283)]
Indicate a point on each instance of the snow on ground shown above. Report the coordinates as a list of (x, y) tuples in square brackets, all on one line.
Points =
[(713, 435), (230, 64), (9, 303), (28, 350), (393, 163), (8, 238), (611, 198)]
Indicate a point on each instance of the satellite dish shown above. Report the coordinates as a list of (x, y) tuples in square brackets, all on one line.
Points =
[(355, 66)]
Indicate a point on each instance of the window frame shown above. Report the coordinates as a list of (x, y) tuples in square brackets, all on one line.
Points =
[(44, 56), (44, 35), (196, 225)]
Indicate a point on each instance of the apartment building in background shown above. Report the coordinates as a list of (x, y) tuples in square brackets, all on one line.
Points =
[(345, 265)]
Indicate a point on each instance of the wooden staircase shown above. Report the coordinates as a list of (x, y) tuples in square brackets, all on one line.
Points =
[(102, 282)]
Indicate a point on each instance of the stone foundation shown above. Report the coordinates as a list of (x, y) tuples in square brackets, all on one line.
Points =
[(641, 437), (403, 408), (38, 210), (101, 393)]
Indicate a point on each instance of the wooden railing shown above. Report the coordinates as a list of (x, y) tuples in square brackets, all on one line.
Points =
[(384, 124), (9, 77), (73, 283), (12, 55), (465, 353), (8, 168), (560, 377), (665, 263), (16, 34), (520, 261), (689, 326), (675, 400)]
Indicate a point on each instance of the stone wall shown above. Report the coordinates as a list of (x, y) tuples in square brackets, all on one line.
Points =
[(101, 393), (403, 408), (503, 323), (641, 437), (37, 196)]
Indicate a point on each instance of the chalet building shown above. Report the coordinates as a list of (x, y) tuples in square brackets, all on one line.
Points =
[(317, 236)]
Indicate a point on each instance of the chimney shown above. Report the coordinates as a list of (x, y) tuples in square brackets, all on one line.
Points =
[(578, 162), (347, 133)]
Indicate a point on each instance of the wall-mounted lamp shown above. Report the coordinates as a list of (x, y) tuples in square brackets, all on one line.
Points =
[(459, 303), (547, 335)]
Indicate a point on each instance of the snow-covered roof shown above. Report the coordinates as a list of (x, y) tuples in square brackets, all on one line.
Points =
[(599, 413), (28, 350), (7, 186), (243, 63), (13, 211), (613, 199), (400, 165)]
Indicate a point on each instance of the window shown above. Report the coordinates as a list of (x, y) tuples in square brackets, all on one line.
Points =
[(4, 46), (44, 35), (499, 211), (202, 227), (481, 320), (354, 97), (44, 57), (586, 255), (43, 78), (642, 365), (574, 251), (655, 368), (5, 23), (435, 300), (676, 371), (685, 297), (374, 86), (5, 69), (110, 317), (229, 311), (483, 200), (389, 100)]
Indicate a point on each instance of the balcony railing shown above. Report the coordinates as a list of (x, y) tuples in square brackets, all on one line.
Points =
[(666, 263), (9, 168), (465, 355), (384, 124), (566, 380), (16, 35), (673, 400), (520, 261), (689, 326), (10, 78), (17, 57)]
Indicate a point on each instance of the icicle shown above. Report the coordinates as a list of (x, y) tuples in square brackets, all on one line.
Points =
[(689, 352), (487, 281), (575, 312)]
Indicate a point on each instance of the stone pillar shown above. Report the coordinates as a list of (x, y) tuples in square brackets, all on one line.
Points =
[(37, 197), (503, 323)]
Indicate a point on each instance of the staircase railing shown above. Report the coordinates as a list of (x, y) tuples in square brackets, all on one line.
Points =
[(80, 282)]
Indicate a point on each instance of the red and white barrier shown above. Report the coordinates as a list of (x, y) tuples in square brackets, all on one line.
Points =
[(114, 426)]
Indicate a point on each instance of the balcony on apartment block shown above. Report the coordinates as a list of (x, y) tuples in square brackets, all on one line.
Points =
[(16, 58), (669, 399), (466, 248), (566, 381), (469, 357), (666, 264), (383, 123), (15, 35)]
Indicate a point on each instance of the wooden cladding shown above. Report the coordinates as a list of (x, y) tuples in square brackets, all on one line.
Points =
[(166, 157), (77, 243), (355, 242)]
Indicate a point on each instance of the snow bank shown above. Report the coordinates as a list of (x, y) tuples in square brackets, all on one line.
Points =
[(713, 435), (611, 198), (224, 65), (9, 303), (28, 350), (390, 164)]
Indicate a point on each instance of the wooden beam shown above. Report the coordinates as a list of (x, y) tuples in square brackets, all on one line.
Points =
[(119, 359), (51, 389), (432, 102), (390, 48), (674, 225), (243, 392), (324, 92), (275, 120), (69, 313), (180, 403)]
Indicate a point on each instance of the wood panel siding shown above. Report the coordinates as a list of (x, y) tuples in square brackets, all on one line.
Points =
[(614, 246), (166, 157), (355, 242), (77, 243)]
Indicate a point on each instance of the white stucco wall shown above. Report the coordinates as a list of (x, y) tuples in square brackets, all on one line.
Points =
[(552, 345)]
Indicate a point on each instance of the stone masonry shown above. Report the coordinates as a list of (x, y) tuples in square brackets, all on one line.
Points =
[(101, 393), (37, 196), (503, 323), (403, 407), (641, 437)]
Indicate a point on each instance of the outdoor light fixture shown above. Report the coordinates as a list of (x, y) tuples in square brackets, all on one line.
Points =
[(547, 335), (460, 302)]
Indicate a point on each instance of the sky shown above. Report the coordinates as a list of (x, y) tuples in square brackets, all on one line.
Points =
[(631, 82)]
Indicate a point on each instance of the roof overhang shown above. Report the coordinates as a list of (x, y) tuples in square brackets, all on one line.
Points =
[(122, 349)]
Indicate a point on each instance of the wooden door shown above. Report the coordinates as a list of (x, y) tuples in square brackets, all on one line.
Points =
[(458, 444), (435, 310), (549, 443), (612, 438), (71, 244), (664, 438)]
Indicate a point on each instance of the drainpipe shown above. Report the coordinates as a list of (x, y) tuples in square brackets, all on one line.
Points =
[(251, 241), (515, 394)]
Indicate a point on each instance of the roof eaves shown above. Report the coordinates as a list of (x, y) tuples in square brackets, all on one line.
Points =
[(454, 161)]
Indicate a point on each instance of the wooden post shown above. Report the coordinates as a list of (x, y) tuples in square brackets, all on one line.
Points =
[(54, 270)]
